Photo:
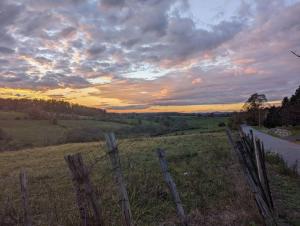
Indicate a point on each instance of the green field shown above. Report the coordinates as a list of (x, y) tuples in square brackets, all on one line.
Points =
[(209, 180), (208, 177), (22, 132), (42, 132)]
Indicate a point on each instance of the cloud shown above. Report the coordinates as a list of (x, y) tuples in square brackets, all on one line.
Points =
[(9, 13), (153, 52), (6, 50), (95, 50), (49, 81)]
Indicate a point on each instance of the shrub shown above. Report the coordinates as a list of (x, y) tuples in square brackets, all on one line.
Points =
[(221, 124), (53, 121), (236, 120), (3, 135), (282, 167)]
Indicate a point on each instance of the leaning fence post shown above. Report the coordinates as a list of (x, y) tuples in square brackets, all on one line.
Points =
[(25, 202), (84, 190), (172, 186), (258, 160), (116, 166)]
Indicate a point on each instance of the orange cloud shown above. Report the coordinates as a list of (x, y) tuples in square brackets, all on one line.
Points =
[(250, 71), (196, 81)]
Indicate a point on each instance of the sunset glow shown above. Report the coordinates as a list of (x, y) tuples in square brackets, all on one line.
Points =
[(149, 56)]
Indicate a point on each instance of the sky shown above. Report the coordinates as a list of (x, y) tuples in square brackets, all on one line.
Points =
[(150, 55)]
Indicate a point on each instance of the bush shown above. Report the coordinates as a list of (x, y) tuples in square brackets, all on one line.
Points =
[(53, 121), (3, 135), (282, 167), (221, 124), (273, 118), (236, 120)]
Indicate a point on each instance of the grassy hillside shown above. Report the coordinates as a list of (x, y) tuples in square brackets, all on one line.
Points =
[(208, 179), (43, 133), (22, 132)]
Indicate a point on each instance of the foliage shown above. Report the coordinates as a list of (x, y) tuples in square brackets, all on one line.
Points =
[(255, 102), (38, 108), (281, 166), (287, 114), (221, 124), (253, 108), (3, 135), (273, 118), (285, 183), (236, 120)]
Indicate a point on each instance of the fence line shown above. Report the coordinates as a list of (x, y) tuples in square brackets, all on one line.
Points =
[(251, 154)]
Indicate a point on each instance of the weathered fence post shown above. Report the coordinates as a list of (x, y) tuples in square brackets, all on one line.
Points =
[(249, 161), (172, 186), (116, 166), (25, 202), (84, 190), (258, 158)]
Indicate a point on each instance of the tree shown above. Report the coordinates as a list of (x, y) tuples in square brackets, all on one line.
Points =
[(285, 102), (253, 107), (273, 118), (295, 99)]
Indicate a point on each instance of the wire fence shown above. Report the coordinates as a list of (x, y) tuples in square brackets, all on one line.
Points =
[(76, 196)]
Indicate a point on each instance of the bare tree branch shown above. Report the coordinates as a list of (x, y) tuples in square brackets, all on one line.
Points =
[(295, 54)]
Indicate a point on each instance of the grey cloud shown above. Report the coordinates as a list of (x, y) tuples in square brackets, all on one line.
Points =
[(37, 22), (82, 39), (67, 32), (112, 3), (95, 50), (50, 80), (6, 50), (8, 13), (59, 80)]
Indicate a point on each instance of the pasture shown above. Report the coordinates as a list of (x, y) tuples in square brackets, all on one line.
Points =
[(23, 133), (208, 179)]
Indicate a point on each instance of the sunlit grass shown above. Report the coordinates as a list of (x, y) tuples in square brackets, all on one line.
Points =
[(208, 179)]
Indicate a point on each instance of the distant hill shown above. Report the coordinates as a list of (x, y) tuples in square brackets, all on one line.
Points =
[(38, 108)]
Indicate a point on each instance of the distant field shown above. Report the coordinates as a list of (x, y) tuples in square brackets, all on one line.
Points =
[(11, 115), (209, 180), (43, 133), (24, 133)]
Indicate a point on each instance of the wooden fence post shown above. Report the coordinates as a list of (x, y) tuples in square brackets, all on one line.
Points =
[(116, 166), (248, 163), (258, 158), (84, 190), (265, 182), (25, 202), (172, 186)]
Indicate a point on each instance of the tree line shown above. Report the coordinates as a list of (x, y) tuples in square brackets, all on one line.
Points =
[(39, 108), (287, 114), (257, 112)]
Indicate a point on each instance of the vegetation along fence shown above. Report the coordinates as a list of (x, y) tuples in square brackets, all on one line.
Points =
[(251, 155), (88, 199)]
